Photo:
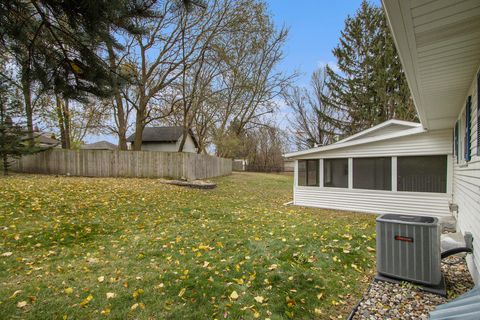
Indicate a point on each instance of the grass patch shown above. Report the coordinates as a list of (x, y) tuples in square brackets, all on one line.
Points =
[(79, 248)]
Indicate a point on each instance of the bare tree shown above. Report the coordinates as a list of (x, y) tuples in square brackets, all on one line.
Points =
[(249, 78), (171, 45), (313, 123)]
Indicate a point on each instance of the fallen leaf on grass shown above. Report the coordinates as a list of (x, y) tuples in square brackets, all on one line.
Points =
[(22, 304), (259, 299), (273, 267), (136, 305), (15, 294), (234, 295), (68, 290), (86, 300), (101, 279), (182, 292), (111, 295), (7, 254)]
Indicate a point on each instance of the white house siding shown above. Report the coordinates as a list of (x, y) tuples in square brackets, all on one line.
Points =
[(373, 201), (466, 188), (428, 143), (171, 146)]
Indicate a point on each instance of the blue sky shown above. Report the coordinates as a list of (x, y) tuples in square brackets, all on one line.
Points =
[(315, 27)]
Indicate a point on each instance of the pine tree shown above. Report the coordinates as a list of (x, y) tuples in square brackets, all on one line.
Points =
[(370, 86), (60, 43), (14, 141)]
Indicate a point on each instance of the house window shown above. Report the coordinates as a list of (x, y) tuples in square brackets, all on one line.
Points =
[(308, 173), (372, 173), (335, 173), (422, 174)]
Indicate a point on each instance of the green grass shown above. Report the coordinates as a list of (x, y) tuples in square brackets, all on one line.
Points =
[(169, 252)]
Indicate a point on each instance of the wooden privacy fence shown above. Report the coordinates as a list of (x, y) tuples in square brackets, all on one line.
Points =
[(107, 163)]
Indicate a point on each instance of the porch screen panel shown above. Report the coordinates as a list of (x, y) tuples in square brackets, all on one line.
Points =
[(302, 172), (422, 174), (335, 173), (308, 173), (372, 173), (312, 173)]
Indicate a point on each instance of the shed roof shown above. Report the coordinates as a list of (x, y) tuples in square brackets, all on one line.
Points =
[(163, 134), (99, 145)]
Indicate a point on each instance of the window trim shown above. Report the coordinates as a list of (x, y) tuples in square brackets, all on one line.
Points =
[(325, 160), (386, 158), (307, 161), (447, 179)]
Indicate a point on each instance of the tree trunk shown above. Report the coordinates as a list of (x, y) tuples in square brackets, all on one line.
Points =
[(27, 98), (184, 139), (120, 111), (139, 125), (63, 115), (5, 164)]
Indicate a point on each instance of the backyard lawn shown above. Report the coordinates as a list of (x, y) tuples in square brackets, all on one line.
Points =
[(76, 248)]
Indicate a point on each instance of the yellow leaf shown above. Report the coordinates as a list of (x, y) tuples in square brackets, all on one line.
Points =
[(7, 254), (134, 306), (272, 267), (68, 290), (137, 293), (105, 312), (22, 304), (234, 295), (370, 249), (111, 295), (259, 299), (86, 300), (15, 294), (101, 279), (182, 292)]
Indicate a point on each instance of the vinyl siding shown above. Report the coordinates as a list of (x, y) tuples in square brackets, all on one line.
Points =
[(379, 201), (466, 186), (427, 143)]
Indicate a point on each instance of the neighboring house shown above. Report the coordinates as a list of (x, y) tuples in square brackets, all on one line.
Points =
[(439, 46), (45, 140), (166, 139), (99, 145)]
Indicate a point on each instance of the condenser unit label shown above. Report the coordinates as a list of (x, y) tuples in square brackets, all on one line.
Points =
[(402, 238)]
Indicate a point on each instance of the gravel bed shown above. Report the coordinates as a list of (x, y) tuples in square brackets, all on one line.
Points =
[(385, 300)]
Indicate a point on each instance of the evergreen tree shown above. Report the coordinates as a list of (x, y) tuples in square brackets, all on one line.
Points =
[(13, 137), (370, 86), (60, 44)]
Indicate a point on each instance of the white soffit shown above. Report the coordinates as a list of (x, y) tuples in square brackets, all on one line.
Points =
[(439, 45)]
